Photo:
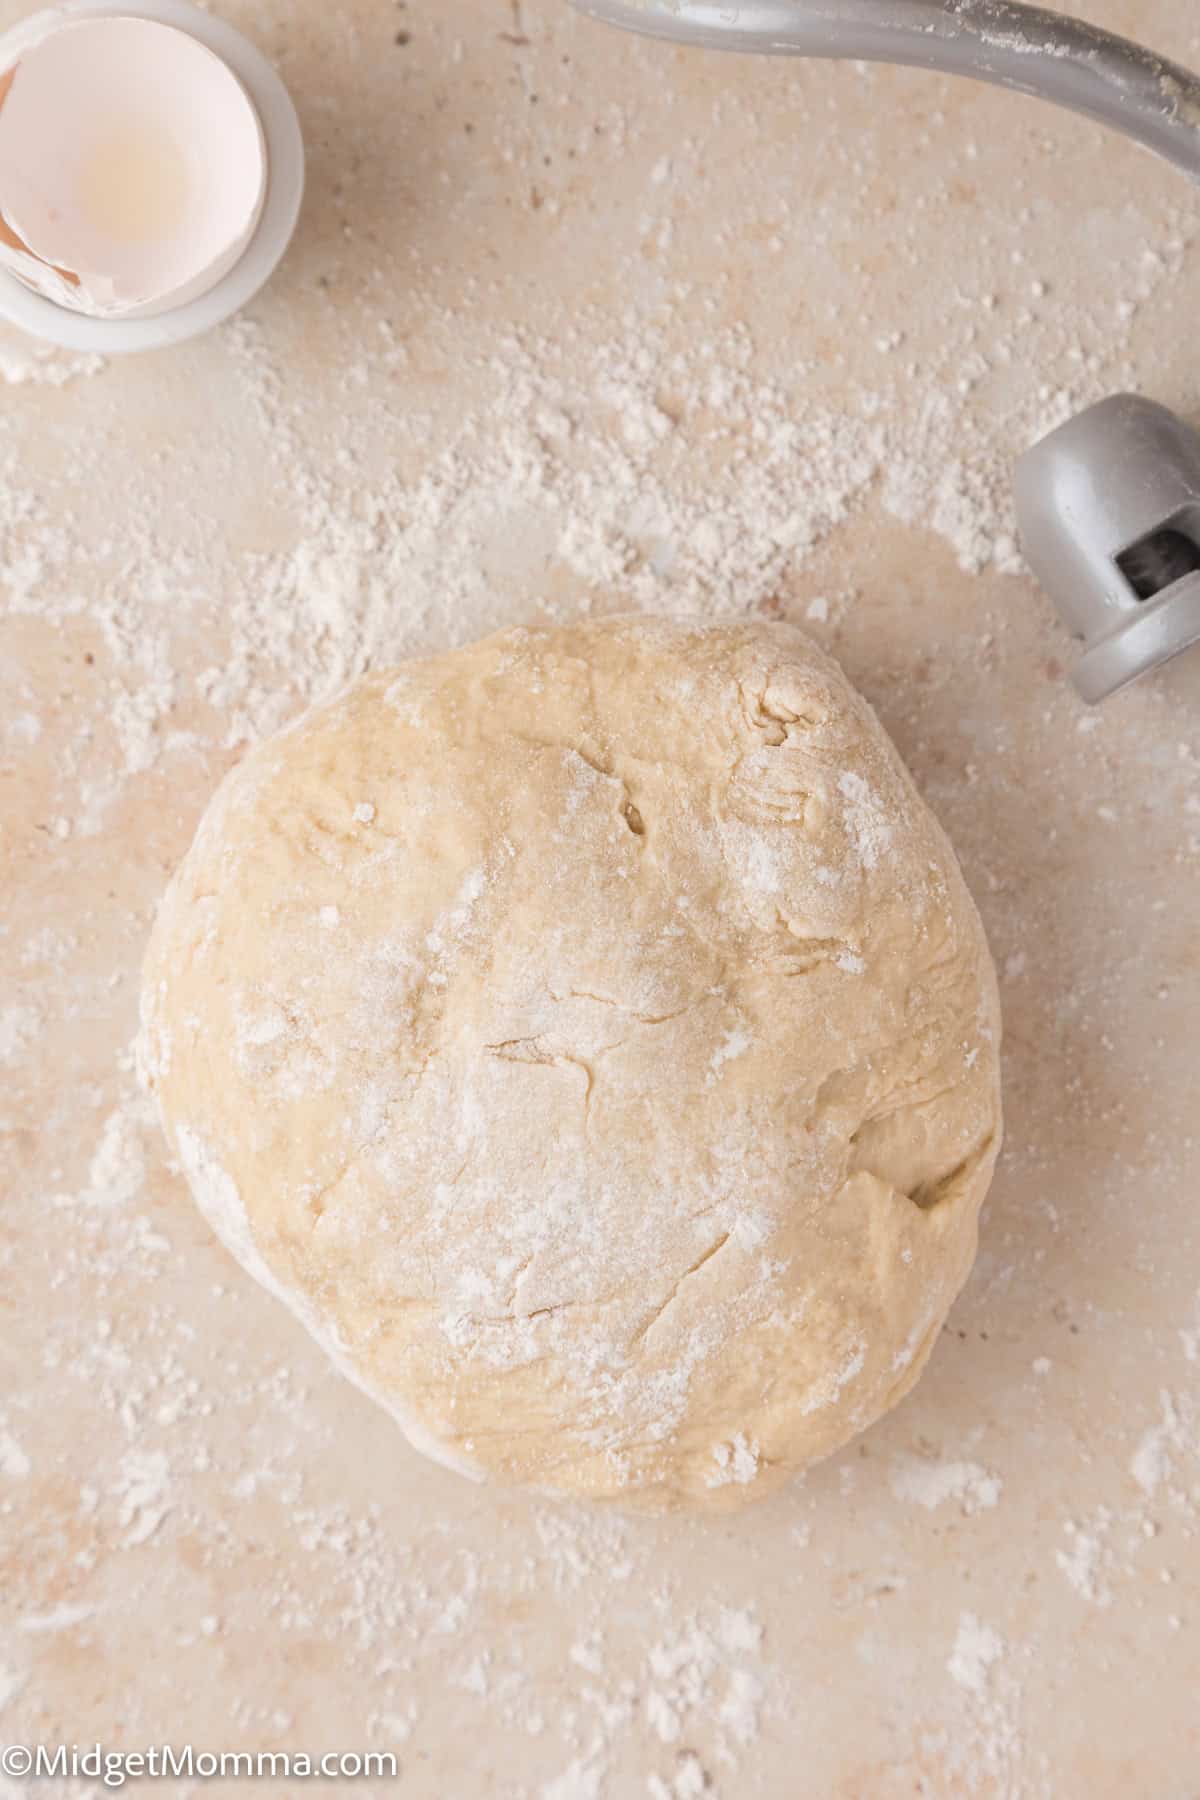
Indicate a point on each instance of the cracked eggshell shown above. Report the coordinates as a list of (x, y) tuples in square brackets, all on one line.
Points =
[(133, 167)]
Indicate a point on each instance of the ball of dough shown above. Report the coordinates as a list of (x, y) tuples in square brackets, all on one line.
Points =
[(590, 1036)]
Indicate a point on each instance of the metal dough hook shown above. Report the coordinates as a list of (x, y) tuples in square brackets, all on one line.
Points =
[(1108, 505), (1036, 52)]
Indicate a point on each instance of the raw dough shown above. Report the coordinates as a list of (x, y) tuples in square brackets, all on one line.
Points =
[(590, 1036)]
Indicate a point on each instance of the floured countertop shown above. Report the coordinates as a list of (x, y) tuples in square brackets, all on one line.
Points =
[(575, 321)]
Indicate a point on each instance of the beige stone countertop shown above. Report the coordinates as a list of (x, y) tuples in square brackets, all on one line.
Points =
[(574, 321)]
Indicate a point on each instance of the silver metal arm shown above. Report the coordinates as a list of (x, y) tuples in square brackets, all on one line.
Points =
[(1076, 65)]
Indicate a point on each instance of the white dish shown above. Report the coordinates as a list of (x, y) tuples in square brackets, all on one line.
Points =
[(258, 248)]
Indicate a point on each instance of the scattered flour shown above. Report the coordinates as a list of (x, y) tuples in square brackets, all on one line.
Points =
[(584, 1780), (13, 1460), (826, 1391), (1189, 1337), (60, 1618), (143, 1491), (117, 1172), (24, 359), (1153, 1459), (19, 1026), (10, 1686), (688, 1781), (392, 1727), (739, 1630), (735, 1044), (25, 728), (736, 1461), (705, 1672), (739, 1709), (931, 1484), (866, 820), (977, 1648), (1087, 1557)]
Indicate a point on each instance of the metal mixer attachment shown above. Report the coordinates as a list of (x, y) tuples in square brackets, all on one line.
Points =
[(1109, 510), (1109, 505), (1026, 48)]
